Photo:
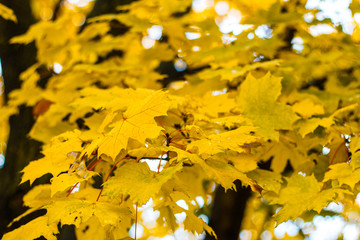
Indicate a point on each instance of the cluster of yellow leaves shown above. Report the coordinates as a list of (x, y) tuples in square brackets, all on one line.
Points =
[(7, 13), (246, 102)]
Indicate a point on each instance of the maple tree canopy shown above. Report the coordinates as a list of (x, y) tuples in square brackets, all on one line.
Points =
[(120, 135)]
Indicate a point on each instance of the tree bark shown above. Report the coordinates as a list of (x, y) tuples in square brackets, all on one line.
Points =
[(20, 149), (228, 211)]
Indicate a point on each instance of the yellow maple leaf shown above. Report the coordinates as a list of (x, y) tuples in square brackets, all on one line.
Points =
[(303, 194), (216, 169), (213, 105), (38, 196), (354, 149), (56, 159), (134, 176), (258, 99), (74, 211), (33, 230), (64, 181), (233, 140), (137, 123), (196, 224), (307, 108), (7, 13), (283, 151), (343, 173), (269, 181), (309, 125)]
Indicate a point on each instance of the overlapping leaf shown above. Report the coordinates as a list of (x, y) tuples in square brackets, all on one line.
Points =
[(137, 180), (74, 211), (258, 99), (304, 194), (137, 123)]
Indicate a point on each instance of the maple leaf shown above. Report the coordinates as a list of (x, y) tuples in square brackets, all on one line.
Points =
[(134, 176), (309, 125), (167, 214), (38, 196), (233, 140), (137, 123), (75, 211), (283, 151), (64, 181), (216, 169), (354, 149), (196, 224), (269, 181), (303, 194), (344, 174), (7, 13), (339, 152), (258, 101), (306, 108), (33, 230), (56, 159), (215, 120)]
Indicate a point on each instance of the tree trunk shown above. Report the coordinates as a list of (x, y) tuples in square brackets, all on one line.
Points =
[(228, 211), (20, 149)]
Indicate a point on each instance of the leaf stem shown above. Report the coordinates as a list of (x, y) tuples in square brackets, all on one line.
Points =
[(185, 138), (107, 178), (332, 161), (179, 145), (95, 164), (136, 218), (177, 130), (92, 160), (158, 170), (72, 189)]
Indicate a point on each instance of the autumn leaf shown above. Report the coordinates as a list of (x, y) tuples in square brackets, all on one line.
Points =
[(134, 176), (303, 194), (33, 230), (233, 140), (137, 123), (344, 174), (283, 151), (354, 149), (196, 224), (56, 159), (75, 211), (269, 181), (7, 13), (216, 169), (306, 108), (65, 181), (258, 99), (259, 102)]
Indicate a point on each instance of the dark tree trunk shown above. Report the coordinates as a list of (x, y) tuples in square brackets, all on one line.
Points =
[(20, 150), (228, 211)]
